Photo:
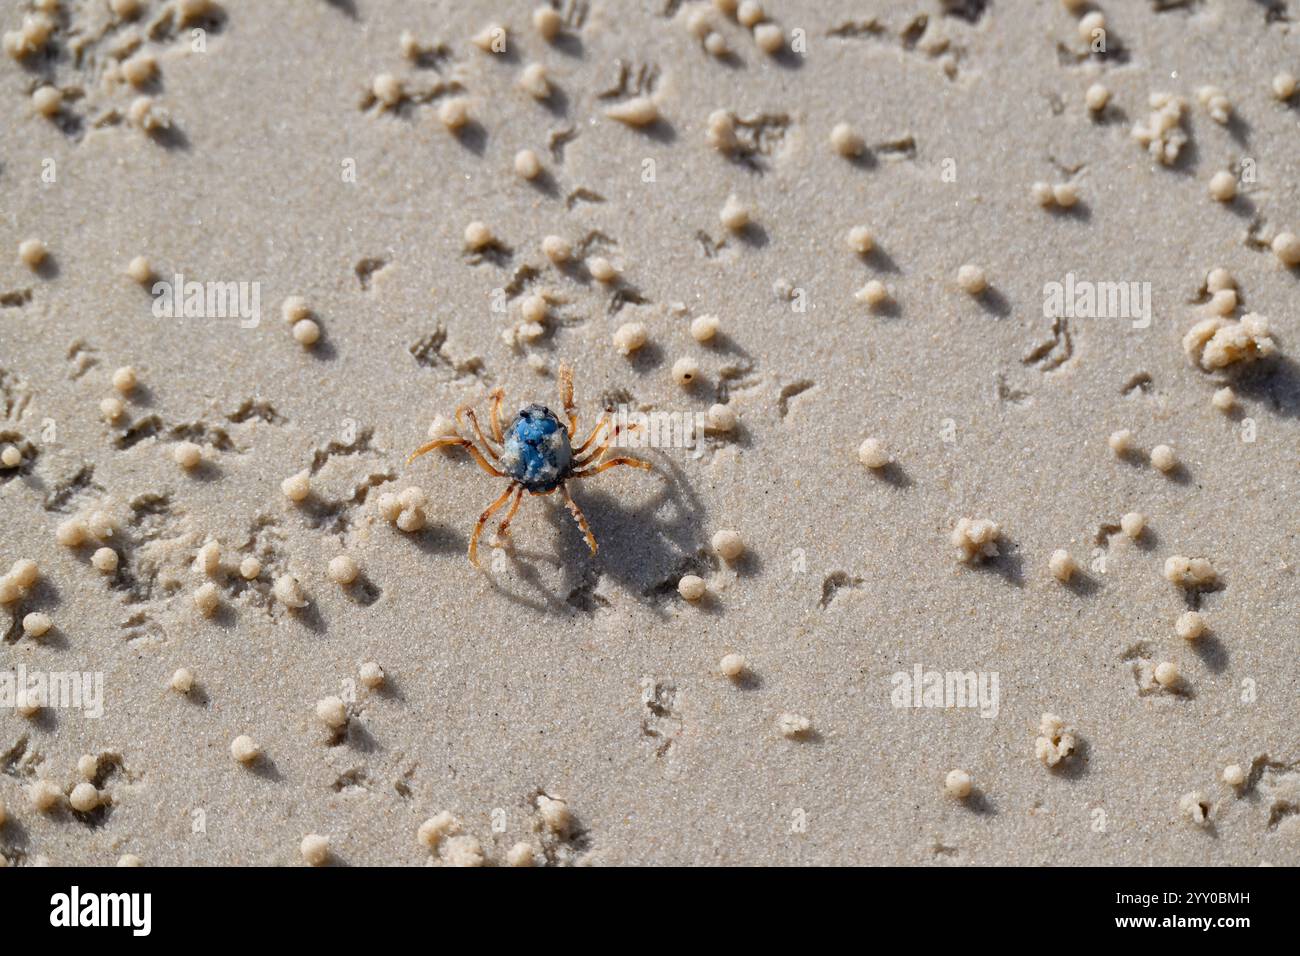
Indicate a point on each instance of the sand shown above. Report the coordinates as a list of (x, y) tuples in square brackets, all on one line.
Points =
[(551, 674)]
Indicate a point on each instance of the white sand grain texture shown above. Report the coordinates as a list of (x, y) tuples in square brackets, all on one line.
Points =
[(549, 674)]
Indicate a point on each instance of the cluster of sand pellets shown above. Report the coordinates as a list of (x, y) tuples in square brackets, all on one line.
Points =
[(93, 67)]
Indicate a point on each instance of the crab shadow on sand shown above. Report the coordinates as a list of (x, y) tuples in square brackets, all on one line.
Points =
[(648, 539)]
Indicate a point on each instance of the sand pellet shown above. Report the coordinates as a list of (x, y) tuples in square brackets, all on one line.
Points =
[(372, 675), (874, 294), (454, 114), (478, 236), (732, 666), (1223, 186), (105, 560), (45, 796), (84, 797), (975, 539), (1166, 674), (860, 240), (1225, 399), (704, 328), (208, 559), (32, 252), (388, 505), (1055, 742), (71, 533), (721, 418), (25, 572), (685, 371), (332, 712), (1196, 808), (1133, 524), (288, 591), (720, 130), (1090, 23), (770, 38), (139, 270), (846, 141), (554, 813), (207, 599), (715, 44), (36, 624), (47, 101), (1190, 625), (691, 587), (188, 455), (957, 784), (873, 453), (728, 544), (145, 114), (250, 568), (1042, 194), (387, 89), (1096, 98), (463, 851), (410, 520), (295, 309), (734, 215), (521, 854), (88, 766), (1284, 86), (1217, 342), (140, 69), (534, 308), (972, 279), (638, 111), (306, 332), (534, 81), (297, 487), (491, 39), (1189, 572), (1286, 246), (1215, 103), (1121, 442), (10, 590), (1162, 134), (1223, 302), (11, 457), (343, 570), (750, 13), (125, 380), (129, 860), (527, 165), (315, 849), (558, 249), (601, 269), (1065, 195), (111, 409), (1163, 458), (243, 749), (1233, 775), (412, 497), (433, 830), (547, 22), (793, 725), (1062, 565), (1219, 279), (182, 680)]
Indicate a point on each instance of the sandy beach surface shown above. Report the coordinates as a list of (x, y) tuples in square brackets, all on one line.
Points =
[(338, 151)]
